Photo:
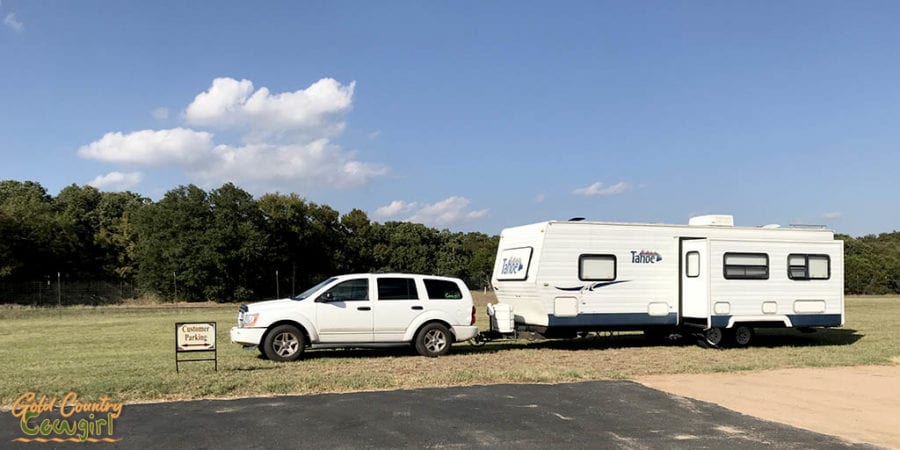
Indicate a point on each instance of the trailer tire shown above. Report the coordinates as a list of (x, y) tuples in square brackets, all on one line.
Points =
[(715, 337), (742, 336)]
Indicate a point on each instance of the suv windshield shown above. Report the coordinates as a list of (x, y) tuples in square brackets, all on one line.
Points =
[(313, 289)]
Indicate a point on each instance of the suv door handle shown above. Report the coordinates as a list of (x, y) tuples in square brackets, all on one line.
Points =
[(417, 308), (363, 308)]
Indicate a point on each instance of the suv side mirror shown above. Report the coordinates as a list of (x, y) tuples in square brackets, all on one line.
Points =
[(325, 298)]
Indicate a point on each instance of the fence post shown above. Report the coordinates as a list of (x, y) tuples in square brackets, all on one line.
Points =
[(58, 289)]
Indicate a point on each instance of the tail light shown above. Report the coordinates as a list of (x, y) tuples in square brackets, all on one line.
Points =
[(473, 316)]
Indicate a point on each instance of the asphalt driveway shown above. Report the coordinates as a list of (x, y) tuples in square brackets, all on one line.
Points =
[(598, 414)]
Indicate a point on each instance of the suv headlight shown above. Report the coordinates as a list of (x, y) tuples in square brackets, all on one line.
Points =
[(247, 319)]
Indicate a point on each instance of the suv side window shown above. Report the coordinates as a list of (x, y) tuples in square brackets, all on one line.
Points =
[(397, 289), (442, 290), (350, 291)]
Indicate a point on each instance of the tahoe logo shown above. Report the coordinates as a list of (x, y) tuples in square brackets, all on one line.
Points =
[(512, 265), (645, 257)]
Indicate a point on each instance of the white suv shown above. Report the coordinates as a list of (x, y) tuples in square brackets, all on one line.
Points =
[(362, 310)]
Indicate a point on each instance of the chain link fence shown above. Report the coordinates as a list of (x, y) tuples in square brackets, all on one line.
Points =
[(58, 291)]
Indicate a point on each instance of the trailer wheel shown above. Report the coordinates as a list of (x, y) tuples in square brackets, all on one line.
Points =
[(714, 336), (742, 336)]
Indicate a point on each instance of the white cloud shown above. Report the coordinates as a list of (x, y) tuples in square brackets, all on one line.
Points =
[(178, 146), (540, 198), (598, 189), (230, 103), (451, 211), (13, 23), (262, 166), (397, 208), (117, 181), (160, 113), (832, 215), (284, 140), (307, 166)]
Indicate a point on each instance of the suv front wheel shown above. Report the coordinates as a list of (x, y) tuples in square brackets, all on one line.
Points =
[(433, 340), (284, 343)]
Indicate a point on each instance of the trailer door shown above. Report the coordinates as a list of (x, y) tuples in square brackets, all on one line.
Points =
[(695, 280)]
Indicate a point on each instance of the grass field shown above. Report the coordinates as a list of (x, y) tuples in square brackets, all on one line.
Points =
[(128, 354)]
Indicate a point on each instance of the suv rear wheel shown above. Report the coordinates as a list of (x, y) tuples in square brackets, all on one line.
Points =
[(433, 340)]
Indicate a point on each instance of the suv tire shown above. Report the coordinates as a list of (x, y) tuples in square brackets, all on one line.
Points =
[(433, 340), (284, 343)]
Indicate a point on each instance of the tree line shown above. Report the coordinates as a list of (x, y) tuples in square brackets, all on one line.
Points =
[(872, 263), (226, 245), (222, 245)]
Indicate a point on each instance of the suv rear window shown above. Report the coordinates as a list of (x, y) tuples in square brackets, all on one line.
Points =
[(397, 289), (442, 290)]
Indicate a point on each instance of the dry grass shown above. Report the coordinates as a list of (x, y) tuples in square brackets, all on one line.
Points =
[(128, 353)]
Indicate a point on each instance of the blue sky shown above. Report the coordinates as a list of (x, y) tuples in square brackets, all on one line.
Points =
[(472, 116)]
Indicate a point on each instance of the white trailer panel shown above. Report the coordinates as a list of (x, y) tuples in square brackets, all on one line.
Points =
[(596, 275)]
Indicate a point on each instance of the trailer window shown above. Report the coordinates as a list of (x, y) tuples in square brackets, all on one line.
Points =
[(746, 266), (597, 267), (692, 268), (809, 267)]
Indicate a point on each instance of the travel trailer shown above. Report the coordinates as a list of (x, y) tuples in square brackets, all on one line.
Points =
[(559, 278)]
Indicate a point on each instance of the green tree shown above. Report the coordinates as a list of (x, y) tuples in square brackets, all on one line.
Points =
[(117, 237), (172, 246), (31, 237), (288, 233), (237, 239), (405, 247), (78, 224), (452, 256), (481, 250), (357, 233)]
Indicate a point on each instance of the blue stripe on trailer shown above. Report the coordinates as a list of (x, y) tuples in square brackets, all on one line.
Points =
[(797, 320), (815, 320), (624, 319)]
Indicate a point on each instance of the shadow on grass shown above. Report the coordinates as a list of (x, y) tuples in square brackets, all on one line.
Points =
[(254, 369), (773, 338), (767, 338), (355, 352)]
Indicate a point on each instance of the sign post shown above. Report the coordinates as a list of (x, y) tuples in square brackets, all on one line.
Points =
[(195, 337)]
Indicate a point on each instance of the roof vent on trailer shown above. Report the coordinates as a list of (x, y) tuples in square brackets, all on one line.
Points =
[(576, 219), (716, 220)]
